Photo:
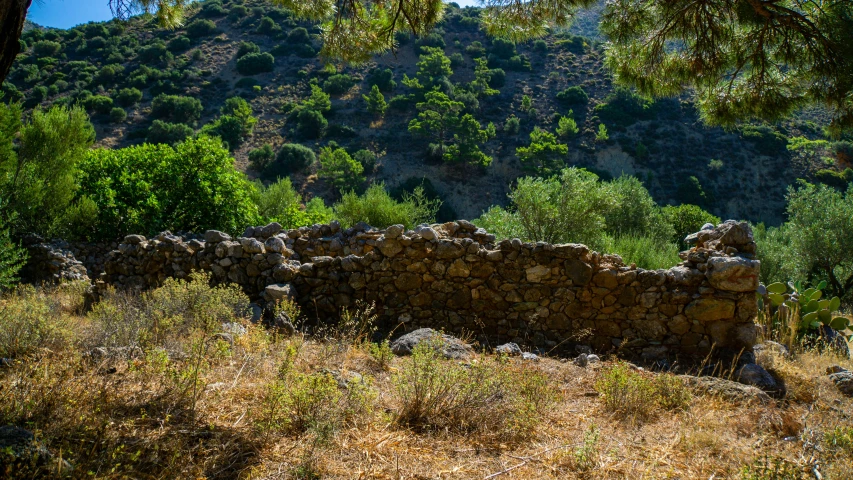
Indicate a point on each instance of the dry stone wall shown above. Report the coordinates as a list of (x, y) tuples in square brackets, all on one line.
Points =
[(455, 277)]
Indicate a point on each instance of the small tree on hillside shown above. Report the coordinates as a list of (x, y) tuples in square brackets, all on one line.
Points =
[(340, 169), (438, 116), (544, 155), (375, 101)]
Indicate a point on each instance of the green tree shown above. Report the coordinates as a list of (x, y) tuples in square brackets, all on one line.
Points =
[(433, 71), (318, 100), (437, 119), (686, 219), (468, 137), (37, 180), (292, 158), (378, 209), (375, 101), (820, 226), (12, 257), (602, 135), (310, 123), (566, 126), (168, 133), (544, 154), (176, 108), (150, 188), (636, 213), (255, 63), (340, 169), (481, 85), (280, 202)]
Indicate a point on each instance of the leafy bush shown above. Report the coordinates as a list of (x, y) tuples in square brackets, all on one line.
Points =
[(176, 108), (12, 258), (487, 398), (30, 321), (228, 128), (154, 52), (544, 155), (118, 115), (686, 219), (46, 48), (168, 133), (99, 104), (635, 212), (245, 48), (255, 63), (690, 191), (835, 179), (192, 187), (291, 158), (179, 43), (766, 139), (298, 35), (382, 78), (338, 84), (259, 158), (503, 49), (267, 26), (127, 97), (433, 40), (310, 123), (573, 95), (512, 125), (366, 158), (201, 28), (280, 202), (377, 208), (497, 78), (623, 107)]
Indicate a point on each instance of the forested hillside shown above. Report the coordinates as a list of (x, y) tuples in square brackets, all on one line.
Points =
[(501, 111)]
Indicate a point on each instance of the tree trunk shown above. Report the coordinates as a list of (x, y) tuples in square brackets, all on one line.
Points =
[(12, 16)]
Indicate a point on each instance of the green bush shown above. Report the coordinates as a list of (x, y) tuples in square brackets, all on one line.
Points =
[(690, 191), (623, 107), (31, 321), (634, 394), (176, 108), (291, 158), (12, 258), (835, 179), (260, 158), (497, 78), (298, 35), (255, 63), (46, 48), (635, 212), (280, 202), (267, 26), (191, 187), (573, 95), (339, 168), (118, 115), (686, 219), (645, 252), (245, 48), (503, 49), (99, 104), (512, 125), (338, 84), (766, 139), (127, 97), (155, 52), (377, 208), (168, 133), (228, 128), (382, 78), (179, 43), (310, 123), (200, 28)]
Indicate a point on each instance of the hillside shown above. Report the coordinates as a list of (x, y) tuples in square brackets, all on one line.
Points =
[(742, 173)]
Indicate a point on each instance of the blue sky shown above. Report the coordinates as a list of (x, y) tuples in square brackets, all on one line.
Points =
[(68, 13)]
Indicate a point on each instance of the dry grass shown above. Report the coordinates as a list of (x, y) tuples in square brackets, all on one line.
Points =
[(193, 406)]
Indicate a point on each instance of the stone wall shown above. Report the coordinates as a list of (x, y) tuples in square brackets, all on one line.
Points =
[(453, 276)]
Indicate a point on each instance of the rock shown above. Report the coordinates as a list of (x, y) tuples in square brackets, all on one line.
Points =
[(769, 347), (708, 309), (256, 311), (427, 233), (275, 244), (707, 226), (6, 362), (20, 452), (834, 341), (233, 328), (583, 349), (530, 357), (844, 382), (251, 245), (134, 239), (283, 325), (757, 376), (268, 230), (835, 369), (394, 231), (727, 389), (450, 347), (582, 360), (279, 291), (733, 274), (511, 349), (215, 236), (593, 359)]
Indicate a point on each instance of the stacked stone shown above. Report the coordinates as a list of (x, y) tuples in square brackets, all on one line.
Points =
[(452, 276), (51, 262)]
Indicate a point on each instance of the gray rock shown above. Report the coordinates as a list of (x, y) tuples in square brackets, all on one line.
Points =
[(256, 311), (582, 360), (394, 231), (19, 451), (593, 359), (530, 356), (727, 389), (844, 382), (268, 230), (279, 291), (511, 349), (450, 347), (215, 236), (757, 376), (835, 369), (734, 274), (274, 244), (283, 325), (233, 328), (707, 226), (769, 347), (834, 340), (134, 239)]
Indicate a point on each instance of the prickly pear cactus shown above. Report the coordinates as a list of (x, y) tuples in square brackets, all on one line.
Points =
[(815, 310)]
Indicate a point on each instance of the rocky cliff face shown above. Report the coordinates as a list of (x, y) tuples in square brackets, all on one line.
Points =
[(454, 276)]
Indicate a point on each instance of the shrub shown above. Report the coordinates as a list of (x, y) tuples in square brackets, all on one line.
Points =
[(624, 107), (310, 123), (512, 125), (298, 35), (260, 158), (503, 49), (201, 28), (340, 169), (338, 84), (626, 392), (540, 46), (646, 252), (382, 78), (46, 48), (567, 127), (99, 103), (154, 53), (304, 51), (12, 258), (766, 139), (291, 158), (30, 321), (191, 187), (573, 95), (377, 208), (497, 78), (366, 158), (255, 63), (176, 108), (433, 40), (228, 128), (246, 83), (179, 44), (835, 179), (128, 97), (118, 115), (267, 26), (168, 133), (487, 398), (280, 202), (686, 219), (690, 191), (245, 48)]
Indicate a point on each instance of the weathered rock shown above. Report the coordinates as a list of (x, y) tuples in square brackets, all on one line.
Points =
[(727, 389), (709, 309), (755, 375), (279, 291), (733, 274), (531, 357), (768, 348), (511, 349), (844, 382), (450, 347), (215, 236), (283, 325), (581, 360)]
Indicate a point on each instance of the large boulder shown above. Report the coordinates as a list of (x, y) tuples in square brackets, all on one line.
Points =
[(757, 376), (450, 347), (726, 389)]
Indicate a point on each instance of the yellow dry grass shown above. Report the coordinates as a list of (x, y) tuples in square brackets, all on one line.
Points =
[(122, 418)]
